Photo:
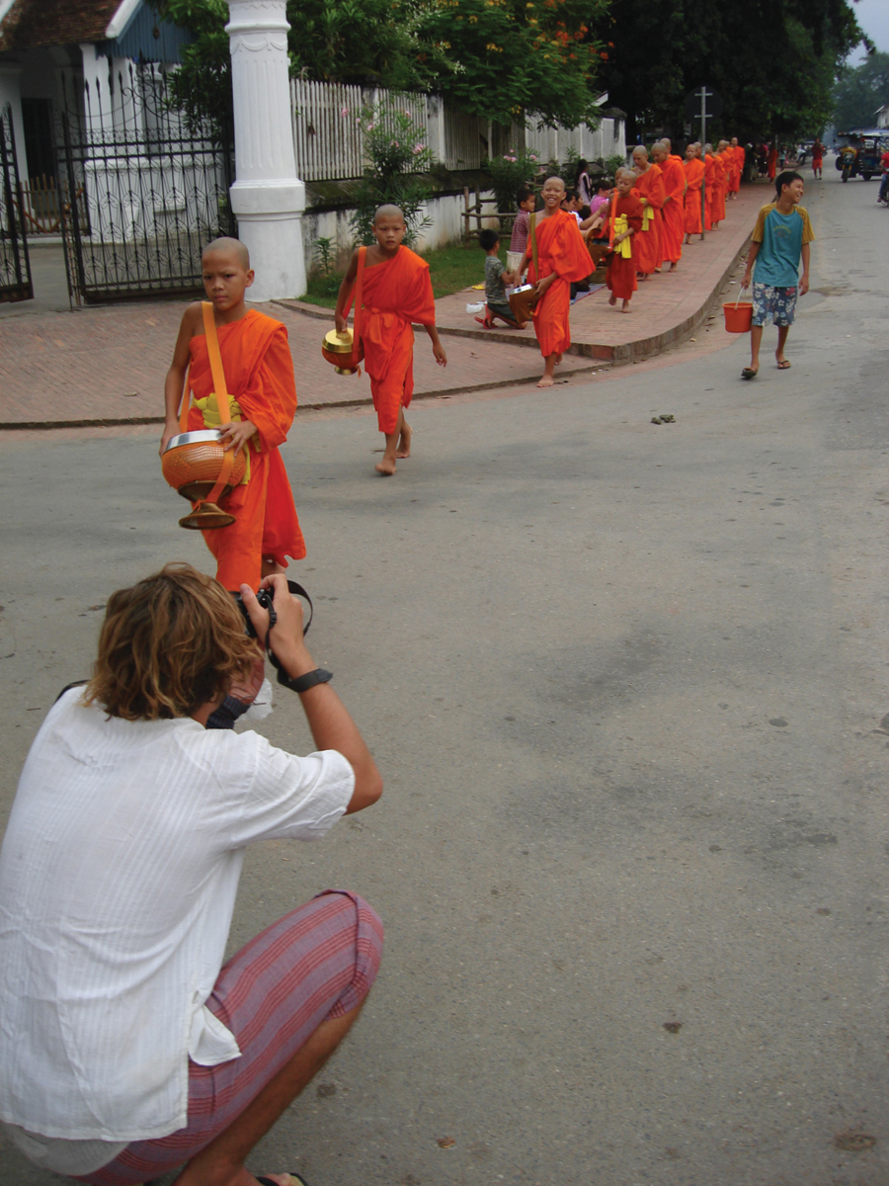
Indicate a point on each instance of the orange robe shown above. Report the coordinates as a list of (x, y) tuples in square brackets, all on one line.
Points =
[(560, 249), (259, 375), (719, 188), (621, 274), (709, 190), (395, 294), (650, 188), (673, 213), (773, 162), (694, 175), (728, 161), (738, 157)]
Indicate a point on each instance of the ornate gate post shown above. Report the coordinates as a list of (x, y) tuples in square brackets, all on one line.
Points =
[(267, 198)]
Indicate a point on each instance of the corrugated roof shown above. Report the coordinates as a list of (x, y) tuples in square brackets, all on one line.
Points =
[(30, 24)]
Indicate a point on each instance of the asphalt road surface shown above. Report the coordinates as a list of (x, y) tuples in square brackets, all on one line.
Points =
[(627, 686)]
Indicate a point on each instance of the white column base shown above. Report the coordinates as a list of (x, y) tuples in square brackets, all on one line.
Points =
[(270, 227)]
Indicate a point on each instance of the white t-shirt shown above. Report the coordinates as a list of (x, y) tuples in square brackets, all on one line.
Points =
[(118, 876)]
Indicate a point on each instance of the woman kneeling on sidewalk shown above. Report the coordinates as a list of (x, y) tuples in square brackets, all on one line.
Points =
[(127, 1049)]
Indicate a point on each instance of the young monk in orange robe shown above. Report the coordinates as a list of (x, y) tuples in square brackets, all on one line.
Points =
[(673, 211), (562, 258), (649, 188), (624, 223), (396, 292), (259, 375), (738, 157), (709, 185), (694, 177)]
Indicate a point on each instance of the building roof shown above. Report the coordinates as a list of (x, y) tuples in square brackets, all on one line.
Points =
[(32, 24)]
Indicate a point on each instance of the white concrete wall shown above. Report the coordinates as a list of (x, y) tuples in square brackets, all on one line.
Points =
[(445, 212)]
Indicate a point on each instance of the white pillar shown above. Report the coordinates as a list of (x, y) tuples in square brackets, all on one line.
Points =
[(268, 198), (97, 96)]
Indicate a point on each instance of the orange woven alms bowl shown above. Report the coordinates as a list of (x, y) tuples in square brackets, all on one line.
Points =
[(192, 461)]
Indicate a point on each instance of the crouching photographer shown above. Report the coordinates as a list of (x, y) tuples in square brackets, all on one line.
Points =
[(127, 1048)]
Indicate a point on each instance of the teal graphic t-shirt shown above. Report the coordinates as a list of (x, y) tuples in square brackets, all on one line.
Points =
[(781, 238)]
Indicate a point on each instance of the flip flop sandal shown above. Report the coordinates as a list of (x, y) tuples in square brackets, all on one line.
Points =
[(484, 323), (297, 1179), (747, 373), (784, 365)]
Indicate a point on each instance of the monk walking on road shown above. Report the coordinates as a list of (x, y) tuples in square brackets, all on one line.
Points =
[(562, 259), (396, 291)]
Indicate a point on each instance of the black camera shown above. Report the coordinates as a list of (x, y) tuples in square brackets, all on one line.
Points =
[(264, 597)]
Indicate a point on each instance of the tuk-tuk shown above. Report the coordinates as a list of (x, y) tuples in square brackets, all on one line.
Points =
[(861, 157)]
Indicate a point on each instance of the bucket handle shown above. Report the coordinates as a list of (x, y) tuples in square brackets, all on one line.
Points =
[(740, 294)]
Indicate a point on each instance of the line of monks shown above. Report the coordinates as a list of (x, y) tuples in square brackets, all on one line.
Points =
[(664, 207)]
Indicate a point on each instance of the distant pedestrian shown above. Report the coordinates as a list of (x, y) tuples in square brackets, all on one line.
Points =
[(817, 157), (527, 204), (780, 239)]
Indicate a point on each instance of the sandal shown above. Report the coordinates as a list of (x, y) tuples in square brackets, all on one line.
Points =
[(783, 365), (484, 323), (747, 373), (297, 1180)]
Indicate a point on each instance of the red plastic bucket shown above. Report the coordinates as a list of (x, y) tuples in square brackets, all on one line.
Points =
[(738, 316)]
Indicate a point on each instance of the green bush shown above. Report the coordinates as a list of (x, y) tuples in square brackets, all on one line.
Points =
[(396, 146), (508, 174)]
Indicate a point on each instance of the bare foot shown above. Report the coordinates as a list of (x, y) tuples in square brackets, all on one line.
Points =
[(558, 361), (404, 442), (546, 381), (386, 467), (625, 307), (612, 300), (673, 267)]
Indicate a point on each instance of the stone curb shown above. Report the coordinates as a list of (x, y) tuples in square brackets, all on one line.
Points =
[(601, 352)]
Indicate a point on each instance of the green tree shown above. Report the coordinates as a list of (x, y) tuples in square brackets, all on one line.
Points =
[(773, 64), (860, 91), (504, 56), (493, 58)]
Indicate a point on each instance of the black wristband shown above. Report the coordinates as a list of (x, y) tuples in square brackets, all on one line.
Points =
[(302, 683)]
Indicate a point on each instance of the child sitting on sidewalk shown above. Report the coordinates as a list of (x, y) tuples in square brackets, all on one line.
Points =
[(496, 278)]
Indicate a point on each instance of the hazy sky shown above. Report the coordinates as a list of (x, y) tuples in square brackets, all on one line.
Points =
[(873, 16)]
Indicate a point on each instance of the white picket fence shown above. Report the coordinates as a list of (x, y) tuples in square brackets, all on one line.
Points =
[(328, 131)]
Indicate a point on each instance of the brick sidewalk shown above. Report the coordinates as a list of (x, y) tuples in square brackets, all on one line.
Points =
[(106, 365)]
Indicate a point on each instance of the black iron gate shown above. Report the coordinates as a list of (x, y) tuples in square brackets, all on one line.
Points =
[(142, 191), (15, 266)]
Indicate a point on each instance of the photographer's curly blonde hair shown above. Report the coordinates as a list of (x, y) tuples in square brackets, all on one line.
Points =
[(168, 645)]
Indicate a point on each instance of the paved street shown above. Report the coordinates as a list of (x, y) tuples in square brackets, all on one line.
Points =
[(627, 687)]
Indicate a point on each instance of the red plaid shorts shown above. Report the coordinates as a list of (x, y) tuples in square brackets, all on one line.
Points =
[(317, 962)]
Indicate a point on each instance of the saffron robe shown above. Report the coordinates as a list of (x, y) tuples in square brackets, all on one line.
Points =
[(259, 375), (738, 156), (709, 189), (395, 294), (673, 212), (649, 188), (560, 250), (718, 210), (621, 274), (694, 176)]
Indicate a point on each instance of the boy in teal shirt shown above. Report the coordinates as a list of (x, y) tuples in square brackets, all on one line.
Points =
[(780, 238)]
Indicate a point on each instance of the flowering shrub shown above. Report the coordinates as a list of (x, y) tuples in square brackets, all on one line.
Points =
[(508, 173), (395, 146)]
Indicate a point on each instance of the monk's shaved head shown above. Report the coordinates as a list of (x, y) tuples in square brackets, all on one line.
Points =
[(388, 211), (554, 181), (640, 150), (229, 246), (667, 142)]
